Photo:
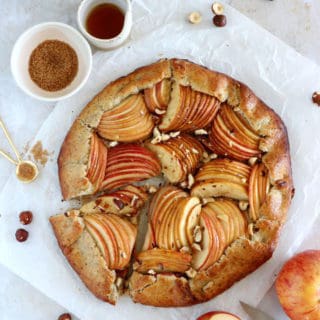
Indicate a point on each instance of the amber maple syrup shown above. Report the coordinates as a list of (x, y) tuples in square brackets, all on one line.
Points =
[(105, 21)]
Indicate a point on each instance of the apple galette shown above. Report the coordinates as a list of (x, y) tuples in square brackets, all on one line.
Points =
[(223, 156)]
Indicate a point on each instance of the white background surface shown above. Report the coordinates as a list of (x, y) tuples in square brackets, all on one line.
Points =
[(291, 20)]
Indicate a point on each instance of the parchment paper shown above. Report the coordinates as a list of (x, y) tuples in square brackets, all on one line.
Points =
[(280, 76)]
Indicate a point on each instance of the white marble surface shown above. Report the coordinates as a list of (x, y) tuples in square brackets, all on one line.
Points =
[(294, 21)]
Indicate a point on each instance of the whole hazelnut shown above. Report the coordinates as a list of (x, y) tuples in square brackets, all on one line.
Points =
[(65, 316), (25, 217), (22, 235), (316, 98), (219, 20)]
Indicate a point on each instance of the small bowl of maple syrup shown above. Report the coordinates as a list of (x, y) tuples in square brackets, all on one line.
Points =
[(106, 24)]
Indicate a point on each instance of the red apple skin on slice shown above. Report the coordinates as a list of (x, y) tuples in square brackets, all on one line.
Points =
[(115, 237), (128, 163), (232, 136), (127, 122), (158, 96), (190, 110), (259, 185), (218, 315), (97, 161)]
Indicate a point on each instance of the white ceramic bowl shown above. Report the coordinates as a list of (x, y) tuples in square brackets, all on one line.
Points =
[(84, 9), (30, 39)]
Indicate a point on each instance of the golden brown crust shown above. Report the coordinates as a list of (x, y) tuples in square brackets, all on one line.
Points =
[(83, 255), (245, 254), (161, 290)]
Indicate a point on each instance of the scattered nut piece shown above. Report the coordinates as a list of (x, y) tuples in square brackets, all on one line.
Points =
[(142, 112), (165, 137), (207, 286), (134, 200), (208, 200), (22, 235), (200, 132), (174, 134), (25, 217), (217, 8), (205, 155), (219, 20), (65, 316), (183, 184), (195, 151), (190, 180), (243, 180), (135, 265), (156, 132), (316, 98), (123, 255), (119, 282), (195, 17), (236, 109), (152, 272), (152, 189), (243, 205), (191, 273), (252, 161), (159, 111), (213, 156), (185, 250), (197, 235), (113, 143), (196, 247), (156, 140), (250, 229)]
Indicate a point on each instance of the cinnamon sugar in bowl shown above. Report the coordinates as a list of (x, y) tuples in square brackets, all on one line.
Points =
[(51, 61)]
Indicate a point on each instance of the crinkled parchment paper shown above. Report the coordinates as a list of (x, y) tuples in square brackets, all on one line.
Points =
[(280, 76)]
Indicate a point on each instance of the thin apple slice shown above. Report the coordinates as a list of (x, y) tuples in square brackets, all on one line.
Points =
[(158, 96), (127, 164), (259, 185), (127, 122), (232, 135), (97, 161), (149, 240), (162, 260), (210, 245), (175, 108), (187, 218)]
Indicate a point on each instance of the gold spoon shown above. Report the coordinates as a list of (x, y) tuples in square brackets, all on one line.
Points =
[(26, 171)]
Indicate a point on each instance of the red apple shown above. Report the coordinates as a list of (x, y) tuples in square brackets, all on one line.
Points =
[(218, 315), (298, 286)]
